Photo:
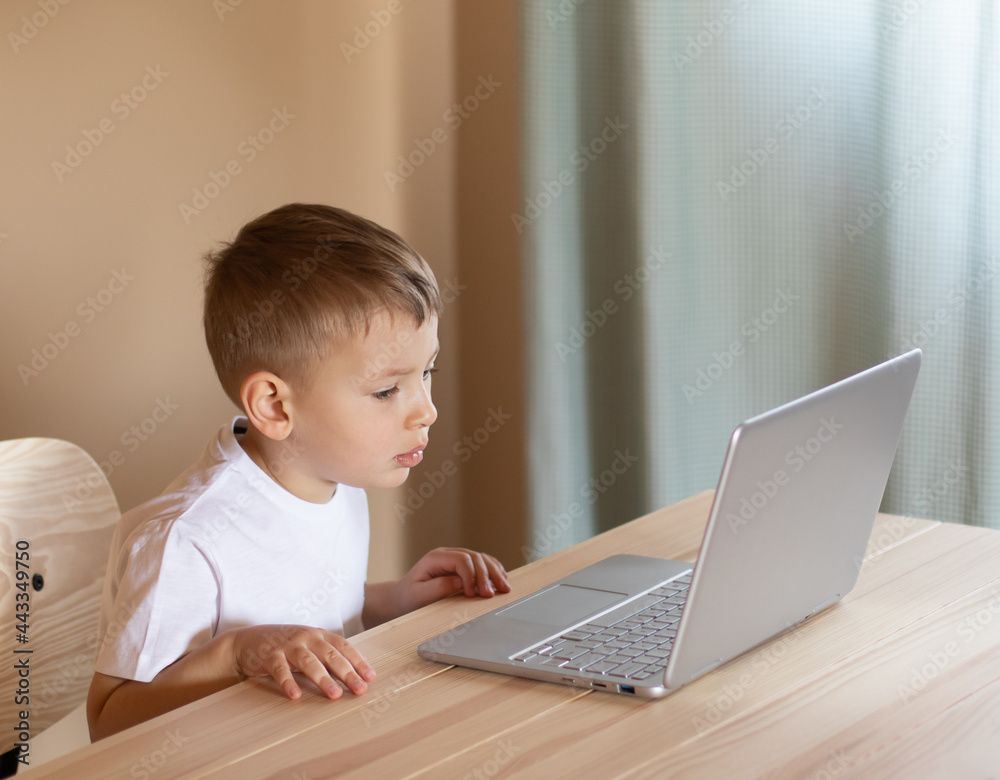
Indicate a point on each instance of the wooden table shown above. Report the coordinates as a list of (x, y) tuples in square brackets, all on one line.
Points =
[(901, 679)]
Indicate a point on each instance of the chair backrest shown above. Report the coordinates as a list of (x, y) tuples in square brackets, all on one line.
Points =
[(57, 515)]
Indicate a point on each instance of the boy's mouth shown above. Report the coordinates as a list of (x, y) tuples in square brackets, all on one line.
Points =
[(410, 459)]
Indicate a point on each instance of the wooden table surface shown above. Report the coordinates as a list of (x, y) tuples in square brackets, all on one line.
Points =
[(901, 679)]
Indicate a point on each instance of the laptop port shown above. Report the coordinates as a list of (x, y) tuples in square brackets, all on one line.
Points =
[(569, 680), (626, 689), (598, 685)]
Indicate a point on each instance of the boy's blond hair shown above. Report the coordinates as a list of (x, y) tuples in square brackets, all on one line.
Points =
[(299, 280)]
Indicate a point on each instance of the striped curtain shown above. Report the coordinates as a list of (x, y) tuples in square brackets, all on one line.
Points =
[(727, 205)]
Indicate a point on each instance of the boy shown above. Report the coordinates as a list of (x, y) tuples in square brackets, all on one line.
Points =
[(323, 328)]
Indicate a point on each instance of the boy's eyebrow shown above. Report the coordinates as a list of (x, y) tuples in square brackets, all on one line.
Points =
[(400, 371)]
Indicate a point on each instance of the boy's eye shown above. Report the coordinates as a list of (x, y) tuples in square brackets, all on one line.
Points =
[(385, 395), (429, 372)]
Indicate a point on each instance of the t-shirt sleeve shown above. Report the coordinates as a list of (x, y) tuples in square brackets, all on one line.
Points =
[(162, 604)]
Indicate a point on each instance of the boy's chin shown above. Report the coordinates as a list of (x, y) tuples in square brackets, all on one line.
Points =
[(393, 479)]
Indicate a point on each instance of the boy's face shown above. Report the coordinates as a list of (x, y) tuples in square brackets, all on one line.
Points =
[(365, 417)]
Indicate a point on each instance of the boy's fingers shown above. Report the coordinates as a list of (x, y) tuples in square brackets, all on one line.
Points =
[(480, 573), (345, 672), (483, 584), (467, 567), (311, 666), (498, 574), (282, 675), (353, 658)]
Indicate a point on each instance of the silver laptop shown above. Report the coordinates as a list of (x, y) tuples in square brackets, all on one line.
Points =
[(792, 515)]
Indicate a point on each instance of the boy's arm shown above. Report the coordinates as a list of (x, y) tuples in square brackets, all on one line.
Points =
[(114, 703), (440, 573)]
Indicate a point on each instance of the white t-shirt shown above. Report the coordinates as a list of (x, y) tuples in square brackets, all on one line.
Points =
[(225, 547)]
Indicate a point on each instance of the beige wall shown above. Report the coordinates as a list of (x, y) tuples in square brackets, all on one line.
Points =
[(124, 352)]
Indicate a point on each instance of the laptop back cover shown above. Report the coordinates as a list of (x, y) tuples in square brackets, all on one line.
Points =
[(794, 509)]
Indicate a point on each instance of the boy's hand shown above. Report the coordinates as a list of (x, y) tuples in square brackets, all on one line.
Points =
[(320, 655), (446, 571)]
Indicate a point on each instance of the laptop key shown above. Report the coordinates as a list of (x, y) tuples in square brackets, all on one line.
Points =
[(584, 661), (569, 652), (576, 635), (603, 666), (622, 612), (626, 670)]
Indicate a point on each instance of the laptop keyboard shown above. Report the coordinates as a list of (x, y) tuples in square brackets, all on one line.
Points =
[(631, 642)]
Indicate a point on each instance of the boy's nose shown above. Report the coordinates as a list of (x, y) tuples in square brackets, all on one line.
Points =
[(425, 413)]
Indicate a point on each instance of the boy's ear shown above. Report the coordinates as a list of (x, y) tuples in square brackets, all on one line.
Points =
[(267, 404)]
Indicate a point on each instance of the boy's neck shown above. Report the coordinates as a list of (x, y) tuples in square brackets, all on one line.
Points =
[(275, 458)]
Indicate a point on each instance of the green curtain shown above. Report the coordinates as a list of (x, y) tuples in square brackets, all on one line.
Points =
[(728, 205)]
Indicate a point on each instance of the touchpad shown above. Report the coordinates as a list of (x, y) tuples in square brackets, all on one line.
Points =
[(562, 605)]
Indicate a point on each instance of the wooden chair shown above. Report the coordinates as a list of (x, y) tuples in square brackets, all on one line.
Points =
[(57, 515)]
